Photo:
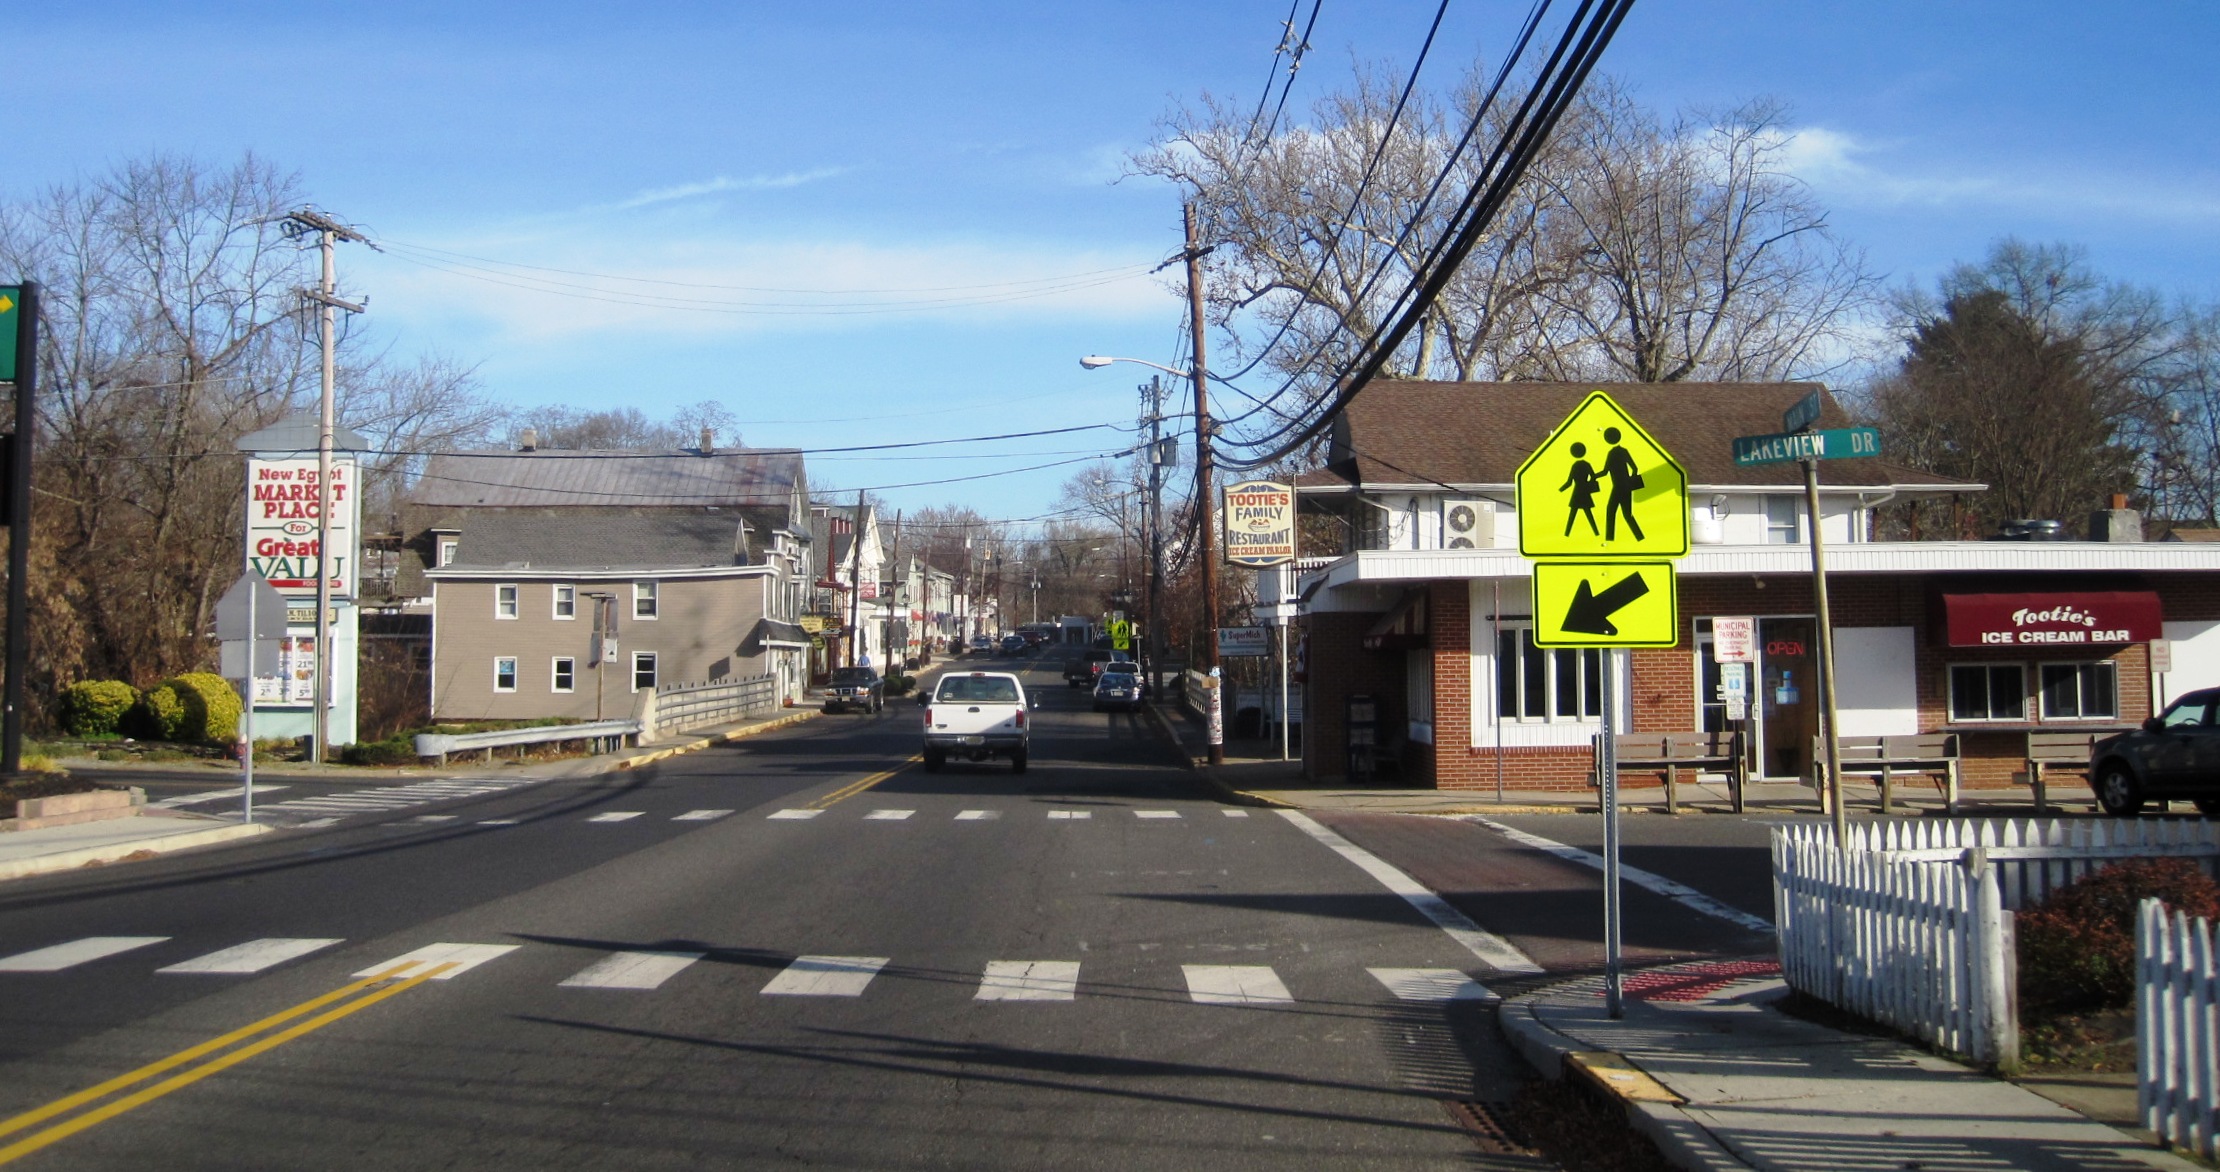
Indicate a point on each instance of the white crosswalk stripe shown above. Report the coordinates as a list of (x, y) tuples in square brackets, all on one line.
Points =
[(1156, 813), (826, 976), (497, 822), (435, 817), (56, 957), (253, 956), (1029, 980), (977, 815), (1235, 813), (213, 795), (888, 815), (385, 799), (794, 815), (617, 816), (461, 957), (1235, 984), (632, 970), (701, 815), (1432, 985), (1070, 815)]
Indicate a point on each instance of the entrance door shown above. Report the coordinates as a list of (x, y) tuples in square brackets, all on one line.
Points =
[(1787, 697)]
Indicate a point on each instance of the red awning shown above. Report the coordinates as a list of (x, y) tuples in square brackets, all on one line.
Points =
[(2063, 618), (1403, 629)]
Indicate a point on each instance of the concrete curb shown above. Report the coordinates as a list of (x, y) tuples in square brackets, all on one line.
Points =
[(1682, 1140), (117, 851), (723, 738), (1201, 769)]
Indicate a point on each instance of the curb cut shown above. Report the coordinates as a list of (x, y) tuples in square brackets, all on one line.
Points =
[(116, 852), (1680, 1138), (723, 738)]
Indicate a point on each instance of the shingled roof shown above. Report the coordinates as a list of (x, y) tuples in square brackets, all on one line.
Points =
[(747, 476), (1477, 434), (606, 539)]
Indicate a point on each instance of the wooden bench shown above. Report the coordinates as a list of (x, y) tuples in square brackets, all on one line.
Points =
[(2066, 750), (1886, 756), (1670, 752)]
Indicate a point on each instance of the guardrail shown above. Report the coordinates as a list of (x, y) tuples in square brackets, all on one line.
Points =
[(686, 706), (2177, 1051), (600, 732)]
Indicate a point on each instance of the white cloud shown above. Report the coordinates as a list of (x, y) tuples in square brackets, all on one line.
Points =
[(1853, 171), (723, 183)]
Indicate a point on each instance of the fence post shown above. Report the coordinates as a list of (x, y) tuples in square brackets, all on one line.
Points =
[(1997, 1035)]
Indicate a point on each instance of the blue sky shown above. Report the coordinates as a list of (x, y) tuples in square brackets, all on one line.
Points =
[(961, 148)]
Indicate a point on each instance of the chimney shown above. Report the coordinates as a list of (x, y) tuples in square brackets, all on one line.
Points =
[(708, 441), (529, 441), (2118, 523)]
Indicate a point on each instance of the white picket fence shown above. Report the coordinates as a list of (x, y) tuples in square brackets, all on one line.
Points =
[(1911, 926), (2177, 1028)]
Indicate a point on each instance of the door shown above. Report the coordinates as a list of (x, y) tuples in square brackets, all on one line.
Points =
[(1787, 699)]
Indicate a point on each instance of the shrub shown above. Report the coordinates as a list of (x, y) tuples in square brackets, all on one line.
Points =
[(196, 706), (2077, 947), (898, 684), (395, 751), (96, 708)]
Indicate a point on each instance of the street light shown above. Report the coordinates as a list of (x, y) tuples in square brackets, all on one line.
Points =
[(1098, 361)]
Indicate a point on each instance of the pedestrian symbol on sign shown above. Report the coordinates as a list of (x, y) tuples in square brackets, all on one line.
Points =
[(1601, 456)]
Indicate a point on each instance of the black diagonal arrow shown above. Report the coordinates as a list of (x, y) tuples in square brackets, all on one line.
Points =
[(1590, 613)]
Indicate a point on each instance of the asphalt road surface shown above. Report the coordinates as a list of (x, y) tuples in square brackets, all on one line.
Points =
[(799, 950)]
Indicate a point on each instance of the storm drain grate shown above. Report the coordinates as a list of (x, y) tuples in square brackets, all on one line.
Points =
[(1489, 1125)]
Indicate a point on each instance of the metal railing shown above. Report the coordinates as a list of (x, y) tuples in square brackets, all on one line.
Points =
[(2177, 1028), (604, 734), (684, 706)]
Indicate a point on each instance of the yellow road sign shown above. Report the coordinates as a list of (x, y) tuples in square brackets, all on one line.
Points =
[(1121, 635), (1605, 604), (1600, 487)]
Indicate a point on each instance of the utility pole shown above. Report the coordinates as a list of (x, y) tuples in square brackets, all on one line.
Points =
[(855, 583), (26, 375), (886, 629), (329, 233), (1153, 589), (1206, 505)]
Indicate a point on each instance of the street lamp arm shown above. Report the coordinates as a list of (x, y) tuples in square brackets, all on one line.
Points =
[(1098, 361)]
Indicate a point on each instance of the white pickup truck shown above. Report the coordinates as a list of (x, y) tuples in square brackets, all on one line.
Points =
[(975, 715)]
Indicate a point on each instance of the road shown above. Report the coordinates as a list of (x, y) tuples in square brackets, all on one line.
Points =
[(1087, 966)]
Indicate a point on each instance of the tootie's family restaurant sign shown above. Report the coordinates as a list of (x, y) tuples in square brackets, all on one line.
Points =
[(2061, 617)]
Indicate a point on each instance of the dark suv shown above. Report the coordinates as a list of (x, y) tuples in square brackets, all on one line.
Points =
[(2176, 754), (1081, 669), (859, 688)]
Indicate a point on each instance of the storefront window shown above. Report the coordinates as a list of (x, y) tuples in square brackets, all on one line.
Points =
[(1533, 683), (1988, 691), (2080, 691)]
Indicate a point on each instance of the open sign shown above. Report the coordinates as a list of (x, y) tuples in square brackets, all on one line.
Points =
[(1787, 648)]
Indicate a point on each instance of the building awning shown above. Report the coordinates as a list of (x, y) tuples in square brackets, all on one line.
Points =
[(2053, 618), (774, 633), (1403, 628)]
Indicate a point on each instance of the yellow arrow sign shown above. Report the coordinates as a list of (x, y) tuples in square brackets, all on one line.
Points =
[(6, 303), (1605, 604), (1600, 487)]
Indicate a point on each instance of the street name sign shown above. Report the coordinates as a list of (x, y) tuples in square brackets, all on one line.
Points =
[(1600, 487), (11, 296), (1836, 443), (1605, 604), (1803, 414)]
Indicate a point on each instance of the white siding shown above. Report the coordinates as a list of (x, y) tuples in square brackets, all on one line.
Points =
[(2196, 658)]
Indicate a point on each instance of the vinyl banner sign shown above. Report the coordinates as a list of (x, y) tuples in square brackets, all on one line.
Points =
[(1260, 523), (282, 509), (2061, 618)]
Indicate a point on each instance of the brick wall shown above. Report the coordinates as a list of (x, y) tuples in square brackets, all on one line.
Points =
[(1339, 667)]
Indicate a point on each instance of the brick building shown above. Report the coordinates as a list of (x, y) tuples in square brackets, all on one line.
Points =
[(1425, 616)]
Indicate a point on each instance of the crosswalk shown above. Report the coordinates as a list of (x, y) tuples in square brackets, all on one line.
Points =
[(1054, 814), (812, 975)]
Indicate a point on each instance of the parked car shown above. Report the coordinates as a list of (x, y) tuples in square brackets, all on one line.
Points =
[(1080, 670), (2176, 754), (1012, 644), (976, 715), (1117, 688), (858, 688)]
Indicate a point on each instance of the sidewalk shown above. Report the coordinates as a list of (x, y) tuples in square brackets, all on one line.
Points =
[(66, 848), (1720, 1079)]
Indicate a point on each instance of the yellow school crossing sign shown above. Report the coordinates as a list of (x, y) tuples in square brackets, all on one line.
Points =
[(1599, 486), (1601, 505)]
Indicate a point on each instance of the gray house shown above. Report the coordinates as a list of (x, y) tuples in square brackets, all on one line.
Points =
[(683, 566)]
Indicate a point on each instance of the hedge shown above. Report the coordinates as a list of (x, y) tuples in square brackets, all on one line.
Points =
[(96, 708), (196, 706), (2077, 947)]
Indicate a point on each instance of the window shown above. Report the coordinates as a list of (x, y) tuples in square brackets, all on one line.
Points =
[(1988, 691), (643, 671), (447, 547), (1533, 683), (643, 600), (504, 601), (1782, 516), (504, 673), (2080, 691), (566, 601), (566, 674)]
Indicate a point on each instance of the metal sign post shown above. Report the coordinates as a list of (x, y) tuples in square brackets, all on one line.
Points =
[(248, 617), (1607, 769), (21, 366)]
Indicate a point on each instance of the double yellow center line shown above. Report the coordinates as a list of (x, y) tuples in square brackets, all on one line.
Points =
[(856, 787), (371, 990)]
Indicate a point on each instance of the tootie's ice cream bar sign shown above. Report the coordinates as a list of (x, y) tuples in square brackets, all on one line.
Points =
[(2066, 618)]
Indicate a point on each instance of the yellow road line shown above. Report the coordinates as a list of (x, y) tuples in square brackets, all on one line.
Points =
[(61, 1131), (856, 787)]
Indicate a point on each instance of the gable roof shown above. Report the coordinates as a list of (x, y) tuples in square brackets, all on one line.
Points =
[(604, 539), (1477, 434), (555, 477)]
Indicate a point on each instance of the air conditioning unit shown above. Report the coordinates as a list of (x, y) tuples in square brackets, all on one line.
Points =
[(1467, 524)]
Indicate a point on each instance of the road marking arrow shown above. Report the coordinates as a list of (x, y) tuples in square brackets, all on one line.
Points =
[(6, 303), (1590, 613)]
